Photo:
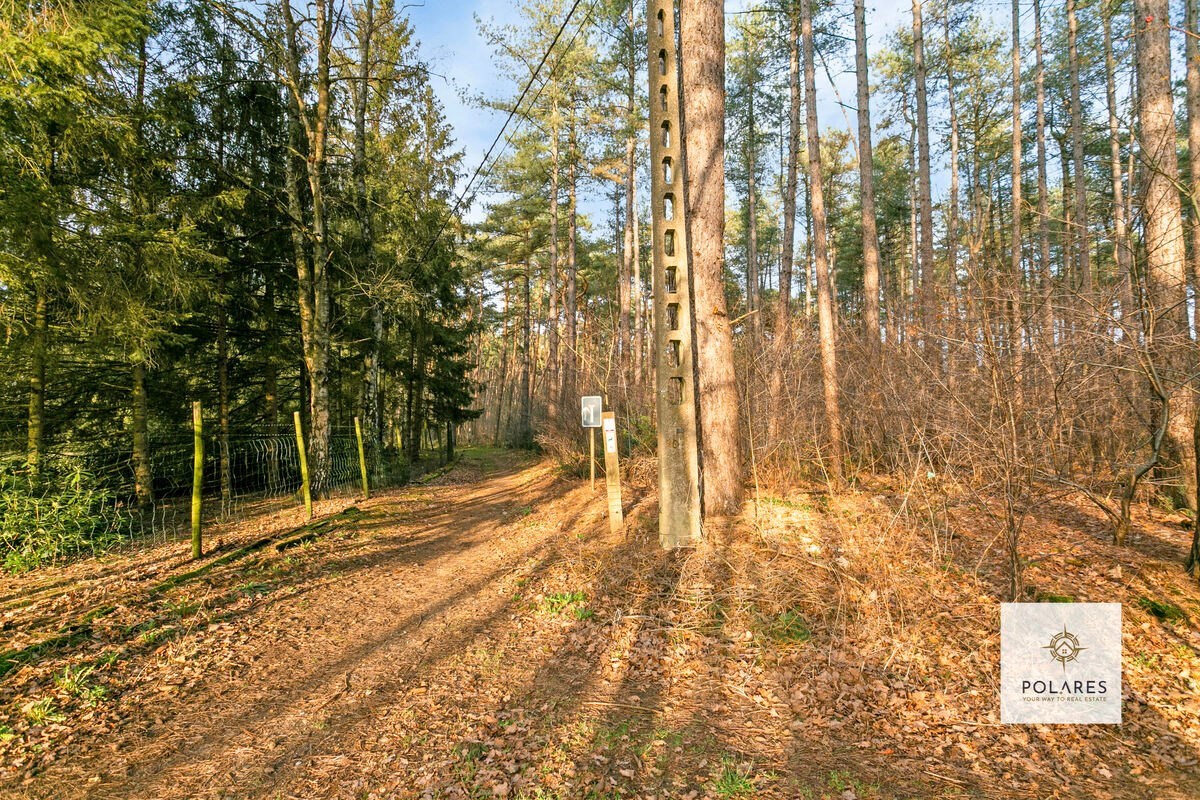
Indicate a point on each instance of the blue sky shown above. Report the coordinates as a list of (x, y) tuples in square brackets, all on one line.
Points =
[(452, 45)]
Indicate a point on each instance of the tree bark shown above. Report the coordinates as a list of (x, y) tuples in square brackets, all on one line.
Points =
[(571, 362), (702, 33), (1083, 258), (866, 175), (924, 192), (35, 441), (1014, 289), (783, 311), (1045, 277), (1165, 262), (554, 365), (1192, 56), (143, 476), (829, 376), (952, 214), (752, 304), (1121, 246), (313, 278), (226, 468)]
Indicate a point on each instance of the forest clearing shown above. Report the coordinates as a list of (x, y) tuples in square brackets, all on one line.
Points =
[(554, 399), (484, 635)]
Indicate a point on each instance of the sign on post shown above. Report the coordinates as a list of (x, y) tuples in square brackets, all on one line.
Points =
[(592, 406), (612, 472)]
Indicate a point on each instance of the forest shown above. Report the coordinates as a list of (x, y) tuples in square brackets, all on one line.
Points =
[(942, 282)]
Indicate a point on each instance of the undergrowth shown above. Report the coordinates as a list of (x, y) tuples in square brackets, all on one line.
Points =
[(41, 525)]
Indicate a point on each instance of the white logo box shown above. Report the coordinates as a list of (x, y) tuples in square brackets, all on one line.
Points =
[(1060, 663)]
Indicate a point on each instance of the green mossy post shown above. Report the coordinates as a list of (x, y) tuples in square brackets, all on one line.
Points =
[(197, 480), (362, 458), (304, 485)]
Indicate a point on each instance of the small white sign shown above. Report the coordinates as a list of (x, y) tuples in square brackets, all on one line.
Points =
[(610, 435), (593, 406), (1060, 663)]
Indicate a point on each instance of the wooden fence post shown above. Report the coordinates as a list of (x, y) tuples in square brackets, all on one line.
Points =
[(197, 480), (362, 459), (304, 485)]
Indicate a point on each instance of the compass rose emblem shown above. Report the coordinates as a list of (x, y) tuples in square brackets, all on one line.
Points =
[(1064, 647)]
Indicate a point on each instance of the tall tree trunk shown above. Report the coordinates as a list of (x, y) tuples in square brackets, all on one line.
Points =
[(752, 210), (1192, 55), (418, 359), (624, 344), (554, 367), (1045, 277), (372, 397), (1165, 262), (1121, 246), (702, 34), (1014, 289), (571, 362), (502, 376), (924, 192), (1083, 258), (783, 311), (314, 280), (627, 305), (636, 300), (226, 468), (952, 215), (524, 436), (143, 477), (829, 376), (866, 180), (38, 349)]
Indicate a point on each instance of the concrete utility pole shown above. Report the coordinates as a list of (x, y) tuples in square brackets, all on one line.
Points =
[(674, 330)]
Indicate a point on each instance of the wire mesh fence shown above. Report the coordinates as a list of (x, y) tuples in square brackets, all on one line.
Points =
[(88, 497)]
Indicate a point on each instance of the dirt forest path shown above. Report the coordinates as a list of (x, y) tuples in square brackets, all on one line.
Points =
[(485, 636), (303, 702)]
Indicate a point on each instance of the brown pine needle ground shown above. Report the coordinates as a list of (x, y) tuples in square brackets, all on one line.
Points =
[(485, 636)]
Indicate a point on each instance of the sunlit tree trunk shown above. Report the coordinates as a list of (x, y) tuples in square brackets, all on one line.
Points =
[(924, 192), (1121, 245), (1014, 289), (571, 361), (1165, 263), (702, 34), (143, 477), (315, 299), (554, 367), (1083, 259), (1192, 55), (783, 311), (37, 387), (829, 376), (866, 177), (1045, 277), (952, 212)]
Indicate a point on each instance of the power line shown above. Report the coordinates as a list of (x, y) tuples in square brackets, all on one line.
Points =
[(512, 113)]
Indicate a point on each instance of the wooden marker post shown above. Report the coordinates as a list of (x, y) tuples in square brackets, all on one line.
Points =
[(674, 330), (304, 485), (362, 459), (612, 472), (197, 480)]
